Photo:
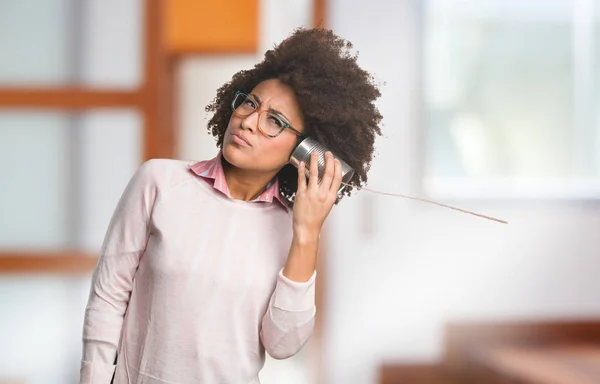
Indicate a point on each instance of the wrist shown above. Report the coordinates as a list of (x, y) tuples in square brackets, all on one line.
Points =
[(306, 235), (302, 259)]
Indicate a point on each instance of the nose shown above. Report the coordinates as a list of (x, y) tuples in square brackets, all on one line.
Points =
[(250, 122)]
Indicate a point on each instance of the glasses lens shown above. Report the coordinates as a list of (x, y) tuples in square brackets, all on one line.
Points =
[(244, 104), (271, 124)]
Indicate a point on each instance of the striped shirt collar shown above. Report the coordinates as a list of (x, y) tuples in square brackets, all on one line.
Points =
[(212, 172)]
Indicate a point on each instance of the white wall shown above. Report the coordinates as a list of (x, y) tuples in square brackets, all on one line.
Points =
[(390, 292)]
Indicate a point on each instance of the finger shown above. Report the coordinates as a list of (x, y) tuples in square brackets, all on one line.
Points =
[(337, 178), (301, 176), (328, 174), (313, 178)]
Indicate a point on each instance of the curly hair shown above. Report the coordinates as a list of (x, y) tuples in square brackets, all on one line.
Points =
[(335, 95)]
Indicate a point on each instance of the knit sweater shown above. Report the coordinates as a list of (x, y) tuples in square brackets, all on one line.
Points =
[(189, 286)]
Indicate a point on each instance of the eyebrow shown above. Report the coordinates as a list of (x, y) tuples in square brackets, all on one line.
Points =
[(271, 109)]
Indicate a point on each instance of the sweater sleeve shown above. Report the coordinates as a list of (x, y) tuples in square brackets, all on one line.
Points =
[(289, 320), (112, 280)]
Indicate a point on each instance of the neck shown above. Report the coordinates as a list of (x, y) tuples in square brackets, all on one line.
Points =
[(245, 185)]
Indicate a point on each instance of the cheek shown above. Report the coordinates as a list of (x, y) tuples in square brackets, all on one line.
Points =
[(232, 121), (278, 150)]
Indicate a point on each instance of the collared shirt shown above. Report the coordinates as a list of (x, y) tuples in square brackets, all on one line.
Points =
[(212, 172)]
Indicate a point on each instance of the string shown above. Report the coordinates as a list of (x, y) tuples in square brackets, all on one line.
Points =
[(430, 202)]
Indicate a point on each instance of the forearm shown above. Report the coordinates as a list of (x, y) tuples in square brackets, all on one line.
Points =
[(101, 332), (109, 297), (289, 320), (302, 258), (100, 341)]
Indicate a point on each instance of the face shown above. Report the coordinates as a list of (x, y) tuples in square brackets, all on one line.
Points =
[(246, 147)]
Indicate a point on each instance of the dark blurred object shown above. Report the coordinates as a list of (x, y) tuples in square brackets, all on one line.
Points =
[(544, 352), (415, 374), (510, 353)]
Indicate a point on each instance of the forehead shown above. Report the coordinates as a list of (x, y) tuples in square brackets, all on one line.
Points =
[(274, 86), (274, 94)]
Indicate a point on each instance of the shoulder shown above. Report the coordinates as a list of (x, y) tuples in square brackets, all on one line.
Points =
[(160, 167), (164, 174)]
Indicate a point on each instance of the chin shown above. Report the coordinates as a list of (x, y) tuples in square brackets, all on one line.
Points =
[(236, 157)]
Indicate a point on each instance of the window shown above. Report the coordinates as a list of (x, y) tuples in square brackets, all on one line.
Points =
[(510, 98)]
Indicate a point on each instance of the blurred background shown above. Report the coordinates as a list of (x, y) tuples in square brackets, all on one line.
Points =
[(490, 105)]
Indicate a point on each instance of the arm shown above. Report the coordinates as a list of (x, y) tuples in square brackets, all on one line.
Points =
[(289, 321), (112, 281)]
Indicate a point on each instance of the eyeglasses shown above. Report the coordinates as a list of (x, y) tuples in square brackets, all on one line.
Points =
[(269, 123)]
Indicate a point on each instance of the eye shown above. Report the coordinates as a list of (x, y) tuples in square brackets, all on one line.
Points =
[(251, 103), (276, 121)]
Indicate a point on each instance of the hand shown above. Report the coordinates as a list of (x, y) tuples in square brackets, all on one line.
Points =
[(314, 201)]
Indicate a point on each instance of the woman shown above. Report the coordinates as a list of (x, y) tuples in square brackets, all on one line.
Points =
[(207, 264)]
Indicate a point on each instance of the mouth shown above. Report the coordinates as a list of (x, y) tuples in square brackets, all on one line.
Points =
[(240, 139)]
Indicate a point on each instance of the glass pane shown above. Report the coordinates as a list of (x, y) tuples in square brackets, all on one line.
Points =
[(596, 72), (34, 42), (41, 323), (112, 43), (60, 42), (499, 89), (34, 164), (63, 175), (110, 149)]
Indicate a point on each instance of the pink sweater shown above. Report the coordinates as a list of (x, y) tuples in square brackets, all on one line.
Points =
[(189, 285)]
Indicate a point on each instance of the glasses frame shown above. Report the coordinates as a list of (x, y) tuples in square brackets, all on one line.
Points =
[(259, 111)]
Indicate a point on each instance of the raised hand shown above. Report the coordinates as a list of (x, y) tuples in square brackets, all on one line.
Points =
[(315, 199)]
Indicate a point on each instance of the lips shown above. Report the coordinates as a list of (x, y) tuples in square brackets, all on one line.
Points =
[(240, 139)]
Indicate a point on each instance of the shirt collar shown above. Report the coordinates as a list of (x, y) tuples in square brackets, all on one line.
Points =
[(212, 172)]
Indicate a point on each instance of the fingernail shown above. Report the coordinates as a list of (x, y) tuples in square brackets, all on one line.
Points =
[(302, 164)]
